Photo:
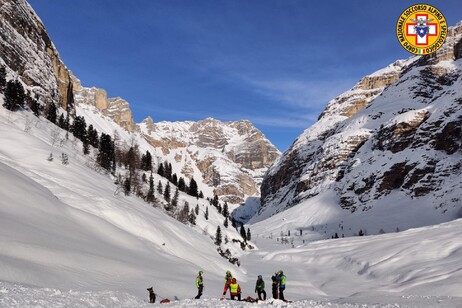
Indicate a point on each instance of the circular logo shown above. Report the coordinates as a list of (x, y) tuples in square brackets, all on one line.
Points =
[(421, 29)]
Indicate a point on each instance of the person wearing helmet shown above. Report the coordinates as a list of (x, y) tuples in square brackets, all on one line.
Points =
[(199, 285), (281, 278), (235, 289), (228, 279), (274, 286), (260, 288)]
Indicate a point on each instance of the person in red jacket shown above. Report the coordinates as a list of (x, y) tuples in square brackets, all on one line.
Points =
[(235, 289), (228, 278)]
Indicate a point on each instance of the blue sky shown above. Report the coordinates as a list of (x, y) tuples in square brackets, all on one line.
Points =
[(275, 63)]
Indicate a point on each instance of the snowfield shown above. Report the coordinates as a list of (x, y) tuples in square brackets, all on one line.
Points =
[(66, 240)]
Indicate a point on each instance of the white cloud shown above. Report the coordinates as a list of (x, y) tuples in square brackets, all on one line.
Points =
[(304, 94)]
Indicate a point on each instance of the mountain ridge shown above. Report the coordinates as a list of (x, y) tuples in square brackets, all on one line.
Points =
[(389, 113)]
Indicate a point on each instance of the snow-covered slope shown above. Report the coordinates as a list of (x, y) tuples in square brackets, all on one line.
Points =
[(393, 141), (66, 239), (64, 226)]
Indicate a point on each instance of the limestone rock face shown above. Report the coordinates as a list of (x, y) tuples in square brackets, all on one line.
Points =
[(231, 157), (26, 49), (397, 130), (115, 108)]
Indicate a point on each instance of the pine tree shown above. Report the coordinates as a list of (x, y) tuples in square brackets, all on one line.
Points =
[(92, 135), (193, 188), (225, 210), (150, 196), (249, 236), (160, 170), (86, 146), (233, 223), (14, 95), (35, 107), (168, 172), (113, 158), (174, 179), (225, 223), (67, 122), (192, 218), (2, 79), (132, 160), (64, 159), (175, 198), (215, 201), (167, 193), (184, 213), (197, 209), (160, 189), (79, 128), (127, 187), (105, 155), (218, 239), (201, 195), (181, 184), (206, 215), (146, 161), (61, 120), (242, 232), (51, 113)]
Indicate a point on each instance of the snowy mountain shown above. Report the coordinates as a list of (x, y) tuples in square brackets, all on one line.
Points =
[(390, 145), (28, 55), (227, 159), (231, 156), (71, 237)]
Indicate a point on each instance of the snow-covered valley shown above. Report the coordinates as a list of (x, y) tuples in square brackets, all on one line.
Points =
[(67, 240), (363, 210)]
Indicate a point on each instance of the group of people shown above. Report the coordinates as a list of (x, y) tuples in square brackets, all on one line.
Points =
[(278, 286)]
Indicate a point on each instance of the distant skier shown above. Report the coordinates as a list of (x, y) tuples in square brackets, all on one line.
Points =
[(199, 285), (235, 289), (281, 278), (228, 279), (260, 288), (274, 286)]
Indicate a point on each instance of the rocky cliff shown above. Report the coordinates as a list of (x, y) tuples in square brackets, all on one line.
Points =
[(116, 108), (397, 130), (26, 49), (230, 157)]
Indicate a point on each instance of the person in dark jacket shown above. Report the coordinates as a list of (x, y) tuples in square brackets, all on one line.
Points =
[(260, 288), (274, 286)]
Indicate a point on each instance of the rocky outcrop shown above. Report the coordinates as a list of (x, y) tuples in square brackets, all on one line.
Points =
[(115, 108), (26, 49), (398, 129), (230, 156)]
